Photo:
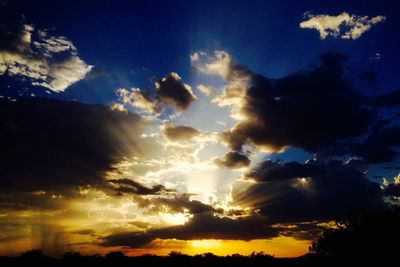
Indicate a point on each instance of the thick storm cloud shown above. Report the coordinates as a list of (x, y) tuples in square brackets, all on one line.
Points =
[(200, 226), (271, 170), (322, 189), (314, 109), (56, 146)]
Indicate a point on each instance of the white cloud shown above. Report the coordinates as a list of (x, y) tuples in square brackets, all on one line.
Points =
[(345, 26), (236, 79), (135, 97), (207, 90), (219, 64), (397, 179), (54, 44), (49, 61), (67, 72)]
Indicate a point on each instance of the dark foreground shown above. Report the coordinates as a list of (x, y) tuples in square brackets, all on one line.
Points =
[(364, 239), (116, 259)]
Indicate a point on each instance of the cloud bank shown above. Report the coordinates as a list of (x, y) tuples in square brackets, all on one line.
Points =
[(55, 147)]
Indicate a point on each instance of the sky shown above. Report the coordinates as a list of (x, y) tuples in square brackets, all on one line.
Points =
[(194, 126)]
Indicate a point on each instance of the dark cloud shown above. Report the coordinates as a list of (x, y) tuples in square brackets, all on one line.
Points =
[(312, 110), (392, 190), (200, 226), (369, 76), (132, 240), (126, 185), (16, 200), (172, 91), (379, 146), (173, 202), (169, 91), (233, 159), (11, 38), (308, 110), (180, 203), (317, 110), (179, 132), (57, 146), (84, 232), (335, 190), (271, 170), (390, 99)]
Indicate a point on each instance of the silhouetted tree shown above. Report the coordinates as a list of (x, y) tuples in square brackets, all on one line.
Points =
[(115, 255), (33, 254), (72, 255), (362, 236), (260, 254)]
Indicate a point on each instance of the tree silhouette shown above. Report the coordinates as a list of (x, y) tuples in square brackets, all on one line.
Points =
[(362, 236)]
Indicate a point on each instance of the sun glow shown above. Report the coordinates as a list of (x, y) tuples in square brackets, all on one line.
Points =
[(209, 244), (279, 247), (174, 219)]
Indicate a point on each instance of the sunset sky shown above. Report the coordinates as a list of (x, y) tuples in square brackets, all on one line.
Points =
[(194, 126)]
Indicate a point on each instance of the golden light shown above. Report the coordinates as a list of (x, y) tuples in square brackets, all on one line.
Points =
[(209, 244), (173, 219)]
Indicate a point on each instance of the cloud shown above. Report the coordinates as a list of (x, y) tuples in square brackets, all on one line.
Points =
[(207, 90), (316, 109), (180, 203), (137, 98), (56, 147), (47, 61), (126, 185), (233, 159), (393, 189), (170, 91), (84, 232), (313, 109), (344, 25), (333, 189), (179, 132), (200, 226), (391, 99), (380, 146), (271, 170), (220, 64)]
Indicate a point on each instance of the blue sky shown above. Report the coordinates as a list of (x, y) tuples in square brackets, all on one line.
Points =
[(131, 43)]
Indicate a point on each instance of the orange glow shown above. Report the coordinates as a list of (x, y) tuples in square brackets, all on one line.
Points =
[(280, 247)]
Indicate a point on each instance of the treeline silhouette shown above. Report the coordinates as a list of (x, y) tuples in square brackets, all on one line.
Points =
[(363, 238)]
